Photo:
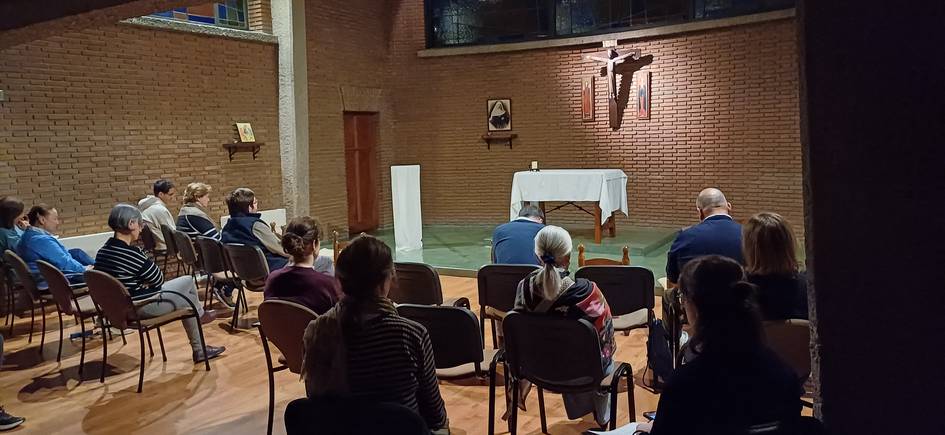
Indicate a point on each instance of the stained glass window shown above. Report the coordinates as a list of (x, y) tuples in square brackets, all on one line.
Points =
[(228, 13)]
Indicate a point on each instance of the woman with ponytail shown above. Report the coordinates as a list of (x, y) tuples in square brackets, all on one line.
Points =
[(551, 290), (303, 280), (734, 381), (362, 348)]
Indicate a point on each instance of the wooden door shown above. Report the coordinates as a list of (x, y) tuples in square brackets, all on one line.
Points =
[(361, 170)]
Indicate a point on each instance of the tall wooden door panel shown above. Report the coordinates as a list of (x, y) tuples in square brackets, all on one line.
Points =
[(361, 170)]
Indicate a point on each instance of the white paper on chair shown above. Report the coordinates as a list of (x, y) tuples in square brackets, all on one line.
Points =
[(622, 430), (405, 200)]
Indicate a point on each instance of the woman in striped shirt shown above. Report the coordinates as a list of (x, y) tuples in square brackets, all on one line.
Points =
[(362, 348), (193, 219), (144, 280)]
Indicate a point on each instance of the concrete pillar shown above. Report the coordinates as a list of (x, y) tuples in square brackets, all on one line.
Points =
[(288, 24)]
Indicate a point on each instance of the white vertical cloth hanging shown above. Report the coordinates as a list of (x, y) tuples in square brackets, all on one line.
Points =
[(405, 195)]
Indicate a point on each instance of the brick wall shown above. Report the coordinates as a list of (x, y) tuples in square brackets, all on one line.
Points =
[(94, 117), (260, 15), (724, 113), (348, 64)]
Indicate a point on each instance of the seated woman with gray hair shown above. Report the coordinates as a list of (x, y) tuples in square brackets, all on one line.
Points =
[(550, 290), (143, 278)]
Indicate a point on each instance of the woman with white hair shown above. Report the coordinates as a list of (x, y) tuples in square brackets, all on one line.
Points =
[(144, 280), (551, 290)]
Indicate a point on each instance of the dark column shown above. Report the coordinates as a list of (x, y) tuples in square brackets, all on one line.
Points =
[(872, 116)]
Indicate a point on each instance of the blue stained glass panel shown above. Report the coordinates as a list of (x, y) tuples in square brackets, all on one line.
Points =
[(229, 13), (241, 16), (202, 19), (221, 11)]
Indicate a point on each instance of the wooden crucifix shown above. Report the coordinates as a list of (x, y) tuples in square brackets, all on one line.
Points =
[(612, 59)]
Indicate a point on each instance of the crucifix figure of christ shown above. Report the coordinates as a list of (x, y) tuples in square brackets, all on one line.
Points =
[(612, 60)]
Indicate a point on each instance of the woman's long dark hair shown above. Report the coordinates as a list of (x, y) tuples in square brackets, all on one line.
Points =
[(362, 266), (728, 321)]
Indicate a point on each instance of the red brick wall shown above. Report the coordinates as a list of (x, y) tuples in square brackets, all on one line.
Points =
[(347, 55), (94, 117), (724, 113)]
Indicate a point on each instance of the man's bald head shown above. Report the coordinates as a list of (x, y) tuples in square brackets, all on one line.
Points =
[(712, 201)]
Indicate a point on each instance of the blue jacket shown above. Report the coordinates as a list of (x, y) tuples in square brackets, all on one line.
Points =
[(239, 229), (514, 242), (715, 235), (38, 244), (9, 238)]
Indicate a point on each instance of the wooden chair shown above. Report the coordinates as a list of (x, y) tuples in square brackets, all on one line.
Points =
[(171, 248), (249, 264), (557, 354), (625, 260), (214, 261), (337, 245), (629, 291), (33, 293), (115, 304), (454, 334), (497, 286), (283, 323), (71, 302)]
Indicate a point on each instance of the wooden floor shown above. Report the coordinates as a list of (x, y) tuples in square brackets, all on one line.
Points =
[(180, 397)]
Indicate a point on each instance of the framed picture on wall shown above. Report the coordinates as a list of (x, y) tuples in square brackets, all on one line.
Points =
[(499, 114), (643, 96), (246, 132), (587, 98)]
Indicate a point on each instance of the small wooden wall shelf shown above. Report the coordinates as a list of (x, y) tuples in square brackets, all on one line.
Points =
[(237, 147), (499, 137)]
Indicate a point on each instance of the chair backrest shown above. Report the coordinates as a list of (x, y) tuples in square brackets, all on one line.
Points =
[(454, 332), (169, 242), (185, 247), (332, 415), (58, 286), (624, 261), (626, 288), (112, 298), (248, 262), (416, 283), (499, 282), (553, 352), (284, 324), (22, 271), (337, 245), (148, 242), (790, 339), (212, 255)]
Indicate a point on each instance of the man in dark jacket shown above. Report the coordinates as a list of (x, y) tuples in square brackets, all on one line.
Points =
[(245, 226)]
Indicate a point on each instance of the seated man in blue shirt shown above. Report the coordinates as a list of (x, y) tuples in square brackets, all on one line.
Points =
[(514, 242)]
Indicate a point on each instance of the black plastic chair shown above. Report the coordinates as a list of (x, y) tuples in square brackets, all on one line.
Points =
[(213, 261), (248, 263), (347, 416), (454, 334), (71, 302), (33, 293), (187, 253), (170, 248), (497, 286), (629, 293), (283, 323), (416, 283), (149, 244), (115, 304), (557, 354)]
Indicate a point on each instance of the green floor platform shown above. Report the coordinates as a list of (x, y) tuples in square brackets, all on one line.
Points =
[(461, 250)]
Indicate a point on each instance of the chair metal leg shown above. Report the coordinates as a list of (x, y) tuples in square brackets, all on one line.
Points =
[(59, 354), (32, 319), (541, 410), (141, 368), (272, 381), (495, 339), (492, 374), (147, 333), (161, 342), (631, 401), (42, 338), (203, 343), (82, 356), (236, 307), (104, 348), (208, 295), (513, 419)]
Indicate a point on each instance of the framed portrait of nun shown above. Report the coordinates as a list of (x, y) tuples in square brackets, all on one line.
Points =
[(499, 114)]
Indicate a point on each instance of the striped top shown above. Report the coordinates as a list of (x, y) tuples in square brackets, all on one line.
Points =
[(131, 266), (390, 359), (194, 222)]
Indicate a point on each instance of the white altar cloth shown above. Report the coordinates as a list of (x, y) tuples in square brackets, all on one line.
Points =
[(608, 187)]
